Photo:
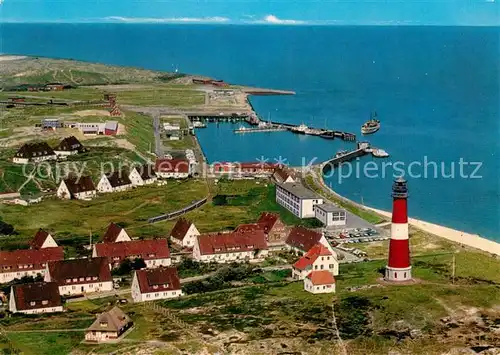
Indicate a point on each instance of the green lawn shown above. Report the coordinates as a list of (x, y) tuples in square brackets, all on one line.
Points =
[(162, 95), (45, 343)]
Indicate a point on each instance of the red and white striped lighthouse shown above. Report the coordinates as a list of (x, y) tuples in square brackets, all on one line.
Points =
[(399, 267)]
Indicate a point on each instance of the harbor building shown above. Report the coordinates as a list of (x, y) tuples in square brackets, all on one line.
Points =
[(297, 199), (330, 215)]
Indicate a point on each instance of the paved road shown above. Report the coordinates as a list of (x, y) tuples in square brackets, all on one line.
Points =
[(158, 142)]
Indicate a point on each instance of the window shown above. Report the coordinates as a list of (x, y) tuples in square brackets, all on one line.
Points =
[(45, 302), (321, 267), (395, 275), (32, 303)]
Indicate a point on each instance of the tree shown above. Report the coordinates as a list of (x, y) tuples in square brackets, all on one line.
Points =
[(125, 268), (138, 264), (6, 229)]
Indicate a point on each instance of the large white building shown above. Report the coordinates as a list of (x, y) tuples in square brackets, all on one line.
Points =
[(297, 199), (80, 276), (155, 284), (330, 215)]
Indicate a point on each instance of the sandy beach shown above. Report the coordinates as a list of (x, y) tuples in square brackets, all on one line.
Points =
[(471, 240)]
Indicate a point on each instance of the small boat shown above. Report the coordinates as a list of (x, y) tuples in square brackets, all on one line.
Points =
[(372, 125), (299, 129), (341, 153), (380, 153)]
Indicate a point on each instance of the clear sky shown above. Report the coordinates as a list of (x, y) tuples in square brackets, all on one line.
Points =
[(277, 12)]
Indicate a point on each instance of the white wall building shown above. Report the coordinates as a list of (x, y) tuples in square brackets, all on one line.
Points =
[(319, 282), (155, 284), (35, 298), (297, 199), (184, 233), (81, 188), (115, 182), (330, 215)]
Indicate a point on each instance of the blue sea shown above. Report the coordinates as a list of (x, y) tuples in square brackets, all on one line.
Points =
[(435, 89)]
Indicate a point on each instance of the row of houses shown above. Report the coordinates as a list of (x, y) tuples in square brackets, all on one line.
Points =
[(107, 128), (40, 151), (83, 187)]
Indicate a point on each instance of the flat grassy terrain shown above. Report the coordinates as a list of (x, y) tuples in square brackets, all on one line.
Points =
[(161, 95)]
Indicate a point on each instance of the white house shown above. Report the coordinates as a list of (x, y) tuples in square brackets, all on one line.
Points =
[(115, 182), (43, 239), (80, 276), (154, 252), (317, 258), (108, 326), (320, 282), (68, 146), (35, 297), (115, 233), (301, 240), (34, 153), (284, 175), (155, 284), (78, 188), (297, 199), (184, 233), (330, 215), (31, 262), (142, 175), (172, 168), (237, 246)]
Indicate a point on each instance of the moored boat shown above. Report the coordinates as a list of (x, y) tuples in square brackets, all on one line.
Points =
[(372, 125), (299, 129)]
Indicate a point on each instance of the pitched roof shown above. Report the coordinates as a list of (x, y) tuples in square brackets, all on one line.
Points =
[(30, 150), (232, 242), (69, 144), (118, 178), (303, 238), (112, 233), (78, 270), (249, 228), (180, 229), (79, 184), (146, 171), (32, 258), (39, 239), (172, 165), (284, 173), (159, 279), (310, 257), (113, 320), (267, 220), (149, 249), (322, 277), (36, 295)]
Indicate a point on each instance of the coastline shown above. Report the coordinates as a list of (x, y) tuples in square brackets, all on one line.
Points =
[(456, 236)]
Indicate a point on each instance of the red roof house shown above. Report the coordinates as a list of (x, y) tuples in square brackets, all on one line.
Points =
[(303, 239), (80, 276), (115, 233), (35, 297), (18, 263), (42, 239), (228, 247), (154, 252), (154, 284), (318, 257), (320, 282), (276, 231), (184, 233)]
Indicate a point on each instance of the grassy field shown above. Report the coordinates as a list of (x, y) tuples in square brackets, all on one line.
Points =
[(162, 95), (272, 316)]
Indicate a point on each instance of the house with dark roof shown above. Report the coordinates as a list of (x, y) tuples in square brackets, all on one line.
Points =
[(172, 168), (78, 188), (34, 153), (43, 239), (142, 175), (114, 182), (276, 231), (237, 246), (80, 276), (301, 239), (155, 284), (317, 258), (35, 297), (321, 281), (68, 146), (154, 252), (115, 234), (184, 233), (108, 326), (283, 174), (31, 262)]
